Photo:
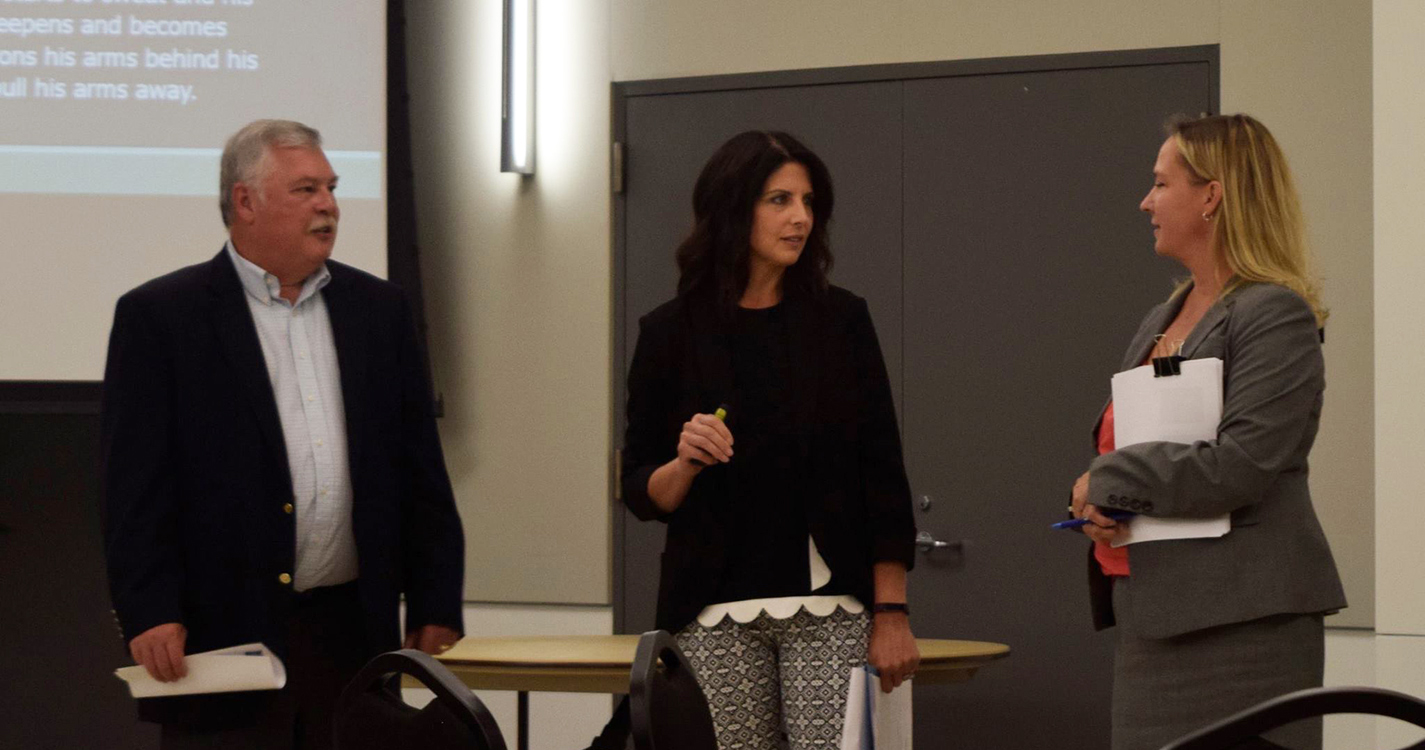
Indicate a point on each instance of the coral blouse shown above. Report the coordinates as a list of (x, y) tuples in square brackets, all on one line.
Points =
[(1113, 560)]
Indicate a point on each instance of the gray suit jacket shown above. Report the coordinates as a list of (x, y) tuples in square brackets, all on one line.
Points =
[(1275, 559)]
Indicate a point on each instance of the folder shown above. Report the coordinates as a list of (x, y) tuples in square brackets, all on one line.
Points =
[(251, 666), (876, 720), (1177, 401)]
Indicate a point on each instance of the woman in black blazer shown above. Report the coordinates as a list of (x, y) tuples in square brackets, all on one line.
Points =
[(761, 430)]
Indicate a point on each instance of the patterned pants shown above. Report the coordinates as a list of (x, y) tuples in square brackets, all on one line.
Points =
[(768, 676)]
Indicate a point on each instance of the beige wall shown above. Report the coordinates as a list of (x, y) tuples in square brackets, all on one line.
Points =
[(517, 275), (528, 391), (1319, 107), (669, 38), (1399, 269)]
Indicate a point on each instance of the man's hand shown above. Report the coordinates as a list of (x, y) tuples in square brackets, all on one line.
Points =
[(432, 639), (160, 651), (892, 650)]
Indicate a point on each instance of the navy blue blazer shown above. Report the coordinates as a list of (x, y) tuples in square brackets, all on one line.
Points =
[(195, 476)]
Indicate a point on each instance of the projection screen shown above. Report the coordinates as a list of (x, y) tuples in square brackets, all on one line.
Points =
[(114, 113)]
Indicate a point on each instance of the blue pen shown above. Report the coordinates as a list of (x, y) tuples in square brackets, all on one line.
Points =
[(1117, 515)]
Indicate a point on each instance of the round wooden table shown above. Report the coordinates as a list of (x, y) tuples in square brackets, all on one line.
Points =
[(601, 664)]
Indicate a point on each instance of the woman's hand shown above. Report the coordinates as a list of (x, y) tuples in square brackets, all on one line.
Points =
[(705, 440), (893, 652), (1100, 528), (1079, 496)]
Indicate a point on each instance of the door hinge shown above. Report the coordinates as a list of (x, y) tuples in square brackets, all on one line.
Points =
[(617, 168), (618, 474)]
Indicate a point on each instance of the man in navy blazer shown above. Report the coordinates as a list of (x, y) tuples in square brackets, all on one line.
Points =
[(271, 467)]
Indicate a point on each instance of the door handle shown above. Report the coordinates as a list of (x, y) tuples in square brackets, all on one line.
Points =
[(928, 543)]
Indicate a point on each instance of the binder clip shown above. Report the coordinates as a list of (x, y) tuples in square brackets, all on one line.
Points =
[(1165, 366), (1170, 364)]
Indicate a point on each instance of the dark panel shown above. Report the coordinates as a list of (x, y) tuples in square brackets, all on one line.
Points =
[(1028, 267), (856, 131), (912, 71), (403, 250), (49, 396), (59, 646)]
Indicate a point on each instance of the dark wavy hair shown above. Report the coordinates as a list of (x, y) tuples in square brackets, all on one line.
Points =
[(713, 260)]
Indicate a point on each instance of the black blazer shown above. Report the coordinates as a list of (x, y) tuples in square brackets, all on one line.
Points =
[(847, 448), (195, 474)]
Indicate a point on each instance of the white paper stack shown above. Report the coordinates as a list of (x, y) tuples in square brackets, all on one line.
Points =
[(876, 720), (1182, 408), (248, 667)]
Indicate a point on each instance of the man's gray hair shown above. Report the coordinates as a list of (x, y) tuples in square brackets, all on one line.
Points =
[(245, 155)]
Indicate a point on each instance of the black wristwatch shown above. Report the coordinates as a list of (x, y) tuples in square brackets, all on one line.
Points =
[(880, 607)]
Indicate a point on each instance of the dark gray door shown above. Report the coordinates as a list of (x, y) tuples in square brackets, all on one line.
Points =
[(988, 212), (855, 128), (1028, 267)]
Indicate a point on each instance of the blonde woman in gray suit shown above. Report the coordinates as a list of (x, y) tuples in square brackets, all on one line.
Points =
[(1208, 627)]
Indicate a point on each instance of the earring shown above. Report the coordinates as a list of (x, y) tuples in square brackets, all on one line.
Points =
[(1207, 217)]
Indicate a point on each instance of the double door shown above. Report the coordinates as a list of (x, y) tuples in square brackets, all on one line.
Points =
[(987, 211)]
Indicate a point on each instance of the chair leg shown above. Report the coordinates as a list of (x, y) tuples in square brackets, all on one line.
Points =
[(522, 722)]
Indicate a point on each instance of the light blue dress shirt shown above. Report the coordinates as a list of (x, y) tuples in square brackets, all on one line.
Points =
[(300, 354)]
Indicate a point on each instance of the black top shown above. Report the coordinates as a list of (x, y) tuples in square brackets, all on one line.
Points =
[(838, 423), (767, 550)]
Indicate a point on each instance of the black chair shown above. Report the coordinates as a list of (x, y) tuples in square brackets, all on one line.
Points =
[(1243, 730), (616, 734), (666, 705), (370, 714)]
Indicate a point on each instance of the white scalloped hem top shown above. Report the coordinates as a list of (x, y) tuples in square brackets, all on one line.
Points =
[(778, 608), (782, 607)]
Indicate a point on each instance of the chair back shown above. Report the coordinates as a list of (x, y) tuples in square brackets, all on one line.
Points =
[(370, 714), (1248, 726), (666, 706)]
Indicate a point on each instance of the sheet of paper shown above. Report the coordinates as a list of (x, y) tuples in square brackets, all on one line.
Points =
[(876, 720), (820, 573), (248, 667), (1182, 408)]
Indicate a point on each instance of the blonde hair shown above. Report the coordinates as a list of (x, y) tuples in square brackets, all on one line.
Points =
[(1259, 226)]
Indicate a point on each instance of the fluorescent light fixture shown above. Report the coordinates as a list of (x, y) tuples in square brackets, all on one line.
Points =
[(517, 111)]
